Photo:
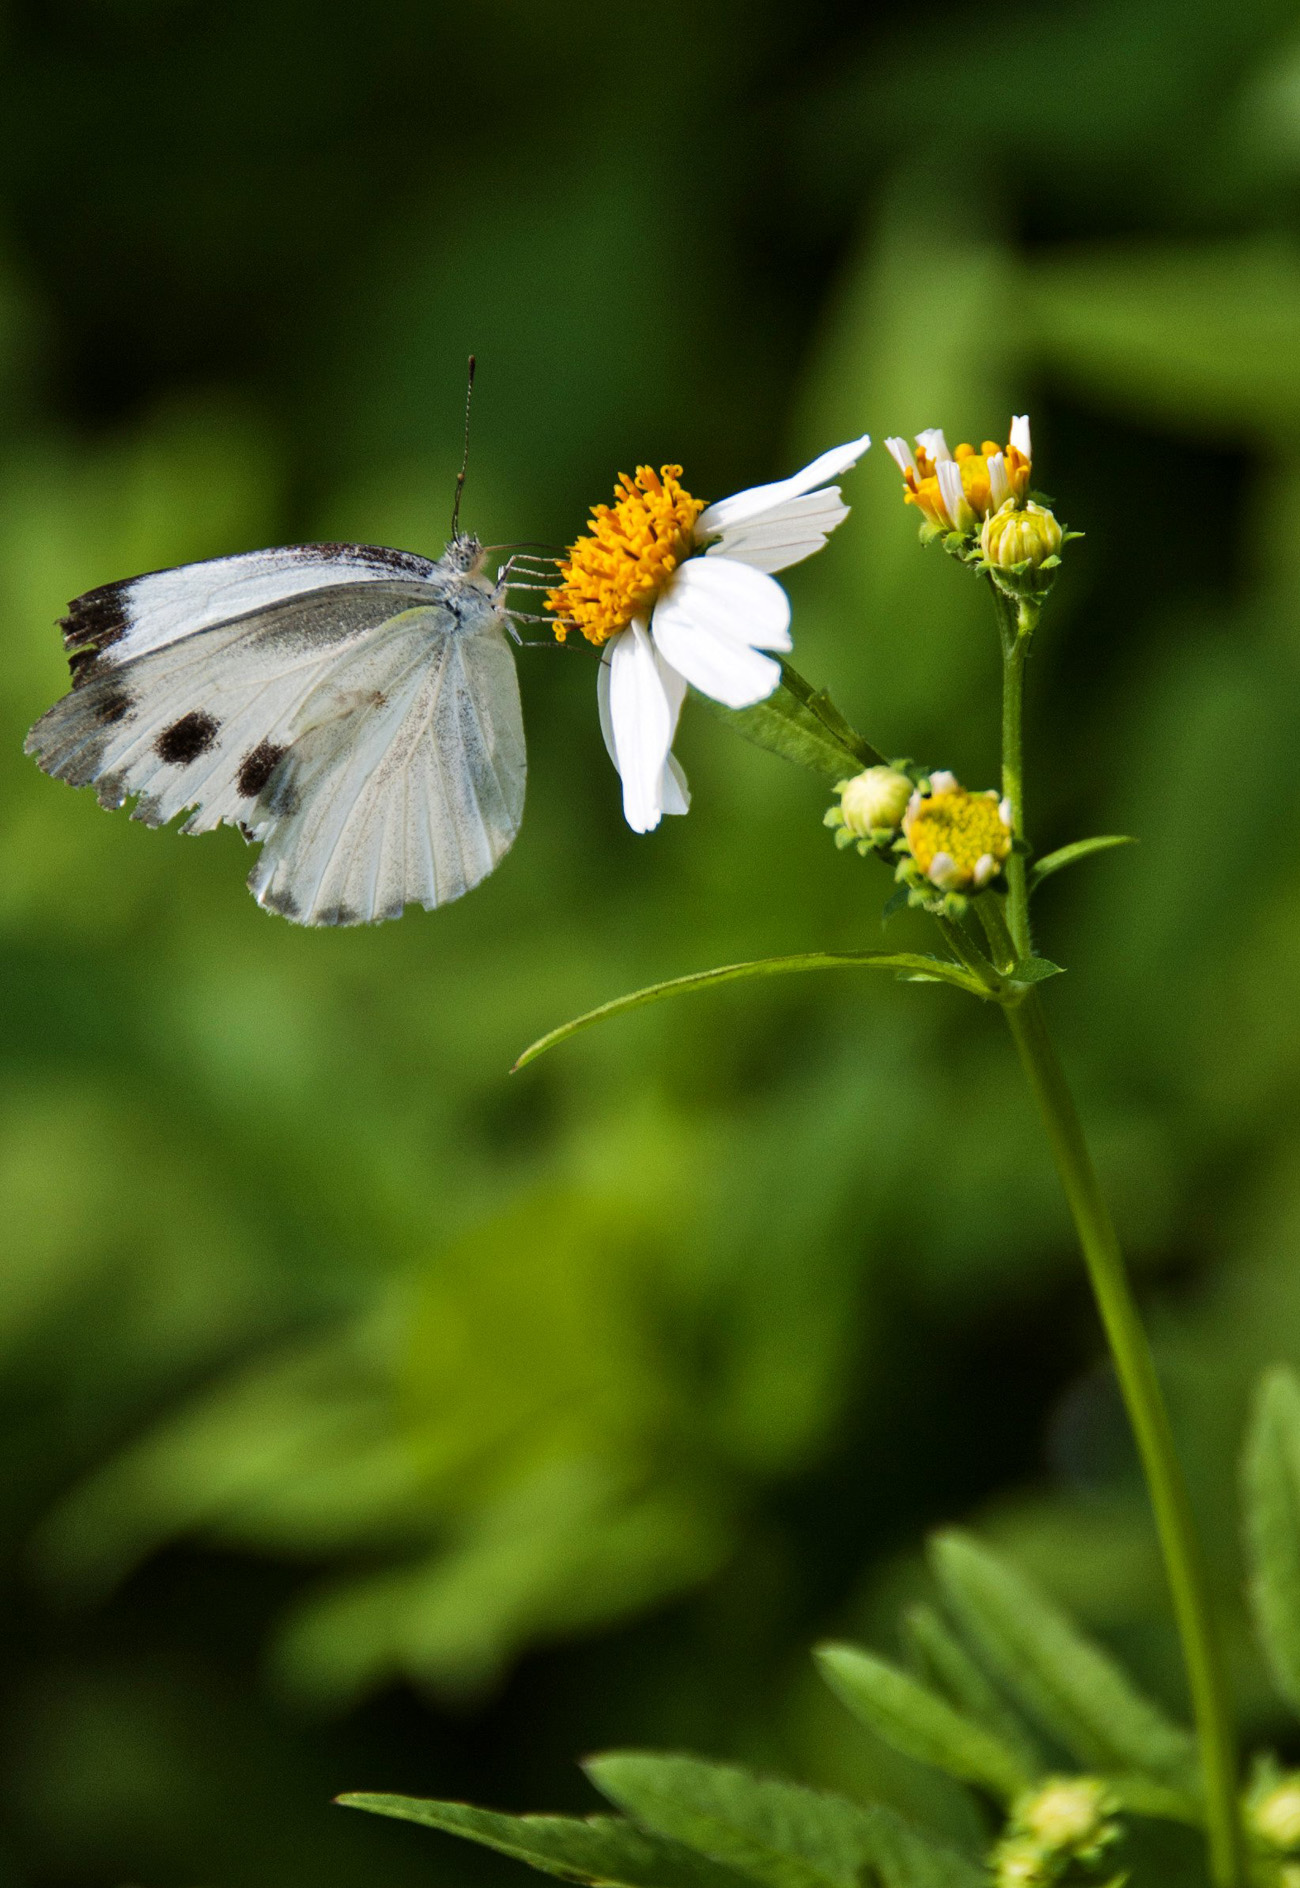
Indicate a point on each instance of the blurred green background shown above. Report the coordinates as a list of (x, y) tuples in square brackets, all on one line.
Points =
[(373, 1420)]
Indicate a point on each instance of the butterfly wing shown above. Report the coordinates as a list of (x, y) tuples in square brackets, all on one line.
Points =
[(242, 687), (403, 782)]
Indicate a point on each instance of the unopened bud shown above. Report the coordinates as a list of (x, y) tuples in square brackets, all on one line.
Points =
[(1066, 1814), (1013, 537), (874, 801), (1275, 1816)]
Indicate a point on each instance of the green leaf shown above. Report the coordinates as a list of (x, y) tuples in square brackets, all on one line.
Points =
[(1069, 855), (780, 1834), (1067, 1683), (803, 725), (1034, 970), (1271, 1478), (942, 1656), (603, 1849), (933, 969), (918, 1722)]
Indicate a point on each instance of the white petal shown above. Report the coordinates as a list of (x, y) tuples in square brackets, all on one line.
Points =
[(933, 443), (901, 454), (999, 489), (953, 494), (1020, 434), (712, 620), (641, 722), (760, 499), (676, 793), (602, 701), (942, 782), (785, 535)]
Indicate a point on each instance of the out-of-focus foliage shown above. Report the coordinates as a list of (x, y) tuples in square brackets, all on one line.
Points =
[(337, 1363)]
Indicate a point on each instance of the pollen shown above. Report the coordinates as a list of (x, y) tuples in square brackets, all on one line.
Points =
[(959, 840), (618, 570)]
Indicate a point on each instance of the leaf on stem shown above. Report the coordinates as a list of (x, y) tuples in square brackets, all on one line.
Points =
[(1069, 855), (603, 1849), (944, 1660), (1271, 1487), (779, 1834), (915, 1720), (1067, 1683), (803, 725), (1034, 970), (906, 963)]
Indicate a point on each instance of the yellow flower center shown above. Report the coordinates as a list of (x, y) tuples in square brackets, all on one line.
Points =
[(620, 567), (961, 831), (922, 486)]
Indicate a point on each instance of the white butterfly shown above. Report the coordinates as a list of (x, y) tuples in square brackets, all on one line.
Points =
[(354, 710)]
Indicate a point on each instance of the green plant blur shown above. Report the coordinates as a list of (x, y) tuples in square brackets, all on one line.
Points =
[(375, 1421)]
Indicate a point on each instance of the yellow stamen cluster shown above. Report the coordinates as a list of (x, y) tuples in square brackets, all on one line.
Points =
[(922, 486), (620, 567), (958, 839)]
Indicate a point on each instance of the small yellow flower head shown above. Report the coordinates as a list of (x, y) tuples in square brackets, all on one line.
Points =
[(617, 571), (1013, 538), (956, 491), (871, 805), (1275, 1815), (1067, 1814), (958, 840)]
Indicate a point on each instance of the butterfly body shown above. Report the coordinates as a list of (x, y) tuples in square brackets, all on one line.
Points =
[(352, 709)]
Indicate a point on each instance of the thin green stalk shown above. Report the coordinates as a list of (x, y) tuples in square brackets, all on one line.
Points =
[(1135, 1368), (1134, 1365)]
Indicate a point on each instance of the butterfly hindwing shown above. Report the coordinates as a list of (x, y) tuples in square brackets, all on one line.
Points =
[(404, 782)]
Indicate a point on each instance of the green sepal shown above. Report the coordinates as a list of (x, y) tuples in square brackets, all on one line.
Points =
[(917, 1721), (1271, 1489), (933, 969), (780, 1835), (603, 1849), (1078, 849), (1065, 1682), (802, 725), (896, 901)]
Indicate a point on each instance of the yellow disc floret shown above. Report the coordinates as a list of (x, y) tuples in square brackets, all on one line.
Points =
[(959, 840), (620, 567)]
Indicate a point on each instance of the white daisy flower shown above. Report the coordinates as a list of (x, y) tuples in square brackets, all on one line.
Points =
[(677, 592)]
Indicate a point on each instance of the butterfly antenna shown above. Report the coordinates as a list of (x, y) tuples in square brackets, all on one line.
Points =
[(464, 464)]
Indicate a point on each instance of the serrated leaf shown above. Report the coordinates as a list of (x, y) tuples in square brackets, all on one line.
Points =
[(1070, 855), (942, 1657), (933, 969), (802, 725), (591, 1849), (918, 1722), (1067, 1683), (781, 1834), (1271, 1486)]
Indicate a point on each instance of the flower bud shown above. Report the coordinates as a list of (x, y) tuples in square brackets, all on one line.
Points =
[(1013, 537), (1274, 1815), (874, 801), (1067, 1815)]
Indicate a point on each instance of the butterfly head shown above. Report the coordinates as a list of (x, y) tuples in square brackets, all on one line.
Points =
[(464, 555)]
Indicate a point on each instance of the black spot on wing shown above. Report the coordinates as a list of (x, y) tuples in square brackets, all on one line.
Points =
[(339, 914), (187, 738), (282, 902), (257, 767), (95, 621), (112, 706)]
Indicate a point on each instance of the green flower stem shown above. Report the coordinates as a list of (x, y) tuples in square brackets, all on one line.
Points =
[(1184, 1563), (1015, 647), (1134, 1365)]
